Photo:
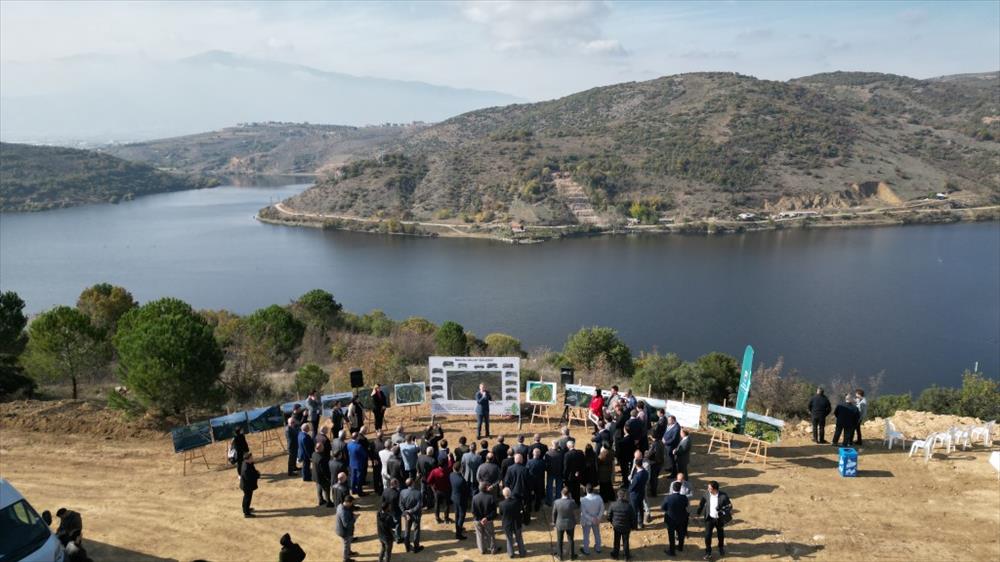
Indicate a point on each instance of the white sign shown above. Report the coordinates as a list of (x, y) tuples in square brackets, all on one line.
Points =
[(454, 382), (688, 415)]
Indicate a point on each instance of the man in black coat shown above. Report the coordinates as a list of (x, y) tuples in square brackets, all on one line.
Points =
[(516, 480), (574, 469), (461, 495), (510, 516), (248, 483), (411, 503), (622, 516), (682, 454), (290, 551), (718, 511), (380, 402), (386, 526), (390, 497), (847, 416), (292, 440), (655, 456), (321, 475), (500, 449), (675, 515), (554, 460), (241, 448), (536, 479), (819, 409), (484, 509)]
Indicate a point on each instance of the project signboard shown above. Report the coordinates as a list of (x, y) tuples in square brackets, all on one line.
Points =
[(540, 392), (409, 393), (328, 400), (191, 436), (762, 427), (579, 395), (224, 427), (454, 382), (263, 419)]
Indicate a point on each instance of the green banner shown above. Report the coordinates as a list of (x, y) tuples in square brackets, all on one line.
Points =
[(745, 376)]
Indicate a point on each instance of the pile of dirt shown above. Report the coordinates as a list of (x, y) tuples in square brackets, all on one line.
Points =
[(917, 424), (74, 417)]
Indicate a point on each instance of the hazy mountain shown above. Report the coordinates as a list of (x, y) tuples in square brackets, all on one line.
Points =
[(103, 98), (695, 145), (34, 178)]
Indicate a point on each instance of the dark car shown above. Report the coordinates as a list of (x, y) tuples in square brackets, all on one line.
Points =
[(437, 371), (437, 396), (448, 364), (437, 379)]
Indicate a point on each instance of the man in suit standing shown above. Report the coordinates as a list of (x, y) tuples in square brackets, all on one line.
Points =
[(564, 516), (516, 480), (248, 483), (510, 516), (637, 484), (357, 454), (862, 405), (411, 503), (292, 440), (682, 454), (380, 402), (846, 415), (461, 495), (574, 469), (536, 479), (484, 509), (390, 498), (654, 456), (718, 511), (345, 526), (622, 516), (671, 438), (819, 409), (554, 469), (315, 408), (675, 515), (482, 411), (386, 525), (470, 462)]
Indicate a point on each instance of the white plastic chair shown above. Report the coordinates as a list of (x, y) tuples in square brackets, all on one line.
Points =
[(926, 446), (945, 439), (984, 431), (892, 434), (960, 435)]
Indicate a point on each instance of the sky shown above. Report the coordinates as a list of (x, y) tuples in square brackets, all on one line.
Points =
[(534, 50)]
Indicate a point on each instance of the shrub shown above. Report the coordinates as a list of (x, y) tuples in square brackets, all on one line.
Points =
[(940, 400), (104, 304), (980, 397), (450, 339), (888, 404), (168, 356), (654, 371), (418, 325), (589, 345), (277, 330), (310, 377), (63, 345), (503, 345), (318, 307)]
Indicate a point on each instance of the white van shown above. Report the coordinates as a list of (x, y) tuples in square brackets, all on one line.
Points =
[(23, 533)]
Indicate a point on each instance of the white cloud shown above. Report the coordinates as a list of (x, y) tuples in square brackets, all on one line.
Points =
[(604, 47)]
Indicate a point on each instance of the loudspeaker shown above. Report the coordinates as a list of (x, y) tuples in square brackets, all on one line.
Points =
[(357, 378), (566, 375)]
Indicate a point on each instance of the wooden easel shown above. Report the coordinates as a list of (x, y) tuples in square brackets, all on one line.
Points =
[(271, 436), (756, 450), (576, 414), (723, 439), (543, 412), (189, 457)]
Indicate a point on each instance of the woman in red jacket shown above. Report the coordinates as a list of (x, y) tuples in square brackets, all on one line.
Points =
[(597, 408)]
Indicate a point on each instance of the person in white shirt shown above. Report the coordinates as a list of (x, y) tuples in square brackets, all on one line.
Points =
[(718, 513), (591, 514), (384, 455), (685, 485)]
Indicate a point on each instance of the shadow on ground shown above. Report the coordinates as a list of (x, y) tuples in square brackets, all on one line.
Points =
[(110, 553)]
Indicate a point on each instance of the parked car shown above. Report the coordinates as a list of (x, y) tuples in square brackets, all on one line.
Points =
[(25, 535)]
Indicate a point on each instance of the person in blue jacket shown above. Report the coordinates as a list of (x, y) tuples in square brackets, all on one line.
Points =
[(482, 411), (357, 455), (306, 449)]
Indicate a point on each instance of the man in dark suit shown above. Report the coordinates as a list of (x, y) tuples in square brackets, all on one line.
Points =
[(671, 438), (500, 450), (622, 516), (483, 399), (484, 509), (846, 415), (340, 490), (574, 469), (522, 447), (516, 480), (675, 515), (682, 454), (386, 527), (411, 503), (248, 483), (461, 495), (292, 439), (321, 475), (536, 479), (564, 517), (554, 469), (380, 402), (654, 456), (390, 497), (718, 511), (510, 516), (637, 484), (819, 409)]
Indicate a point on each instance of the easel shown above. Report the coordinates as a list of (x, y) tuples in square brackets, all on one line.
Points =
[(723, 439), (542, 412), (189, 457), (271, 436), (756, 450), (575, 414)]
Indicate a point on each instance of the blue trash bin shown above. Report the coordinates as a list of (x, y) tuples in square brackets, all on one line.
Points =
[(848, 465)]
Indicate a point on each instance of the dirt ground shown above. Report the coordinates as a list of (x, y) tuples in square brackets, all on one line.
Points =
[(138, 507)]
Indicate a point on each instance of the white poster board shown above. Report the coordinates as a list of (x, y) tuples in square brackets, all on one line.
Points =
[(688, 415), (454, 382)]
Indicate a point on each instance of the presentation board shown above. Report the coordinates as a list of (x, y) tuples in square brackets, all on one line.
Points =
[(263, 419), (224, 427), (579, 395), (365, 397), (454, 382), (764, 428), (328, 399), (688, 415), (540, 392), (192, 436), (288, 407), (409, 393)]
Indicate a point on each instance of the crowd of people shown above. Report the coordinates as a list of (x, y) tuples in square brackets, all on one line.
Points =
[(611, 474), (849, 416)]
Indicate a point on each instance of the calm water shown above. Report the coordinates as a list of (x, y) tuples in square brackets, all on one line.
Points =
[(922, 303)]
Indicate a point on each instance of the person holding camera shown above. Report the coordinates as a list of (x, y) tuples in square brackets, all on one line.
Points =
[(718, 510)]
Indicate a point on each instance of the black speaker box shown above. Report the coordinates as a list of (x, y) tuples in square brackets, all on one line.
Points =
[(357, 378)]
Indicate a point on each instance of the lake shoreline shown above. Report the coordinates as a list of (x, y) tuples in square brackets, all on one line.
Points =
[(538, 234)]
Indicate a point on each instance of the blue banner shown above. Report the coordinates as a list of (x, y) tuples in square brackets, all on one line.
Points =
[(191, 436), (224, 427), (745, 375)]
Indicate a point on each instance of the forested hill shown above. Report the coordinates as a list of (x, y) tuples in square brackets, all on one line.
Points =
[(693, 145), (34, 178)]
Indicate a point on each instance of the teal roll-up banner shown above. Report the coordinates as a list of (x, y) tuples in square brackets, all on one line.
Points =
[(744, 393)]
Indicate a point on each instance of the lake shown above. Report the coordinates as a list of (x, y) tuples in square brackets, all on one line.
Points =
[(921, 303)]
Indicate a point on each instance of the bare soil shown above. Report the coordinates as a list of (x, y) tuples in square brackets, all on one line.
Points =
[(137, 506)]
